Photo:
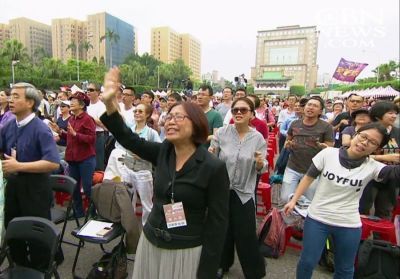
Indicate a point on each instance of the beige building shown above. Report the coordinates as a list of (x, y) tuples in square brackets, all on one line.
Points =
[(64, 32), (4, 33), (285, 56), (167, 45), (31, 34), (97, 26)]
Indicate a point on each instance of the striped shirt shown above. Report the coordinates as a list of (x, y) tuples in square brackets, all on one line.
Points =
[(239, 158)]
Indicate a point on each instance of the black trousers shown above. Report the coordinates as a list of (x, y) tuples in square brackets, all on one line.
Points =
[(383, 196), (242, 234), (28, 194)]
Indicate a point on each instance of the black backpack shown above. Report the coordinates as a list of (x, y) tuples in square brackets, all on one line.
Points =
[(111, 265), (378, 259), (328, 255)]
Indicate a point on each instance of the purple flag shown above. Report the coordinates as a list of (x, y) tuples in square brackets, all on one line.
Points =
[(348, 70)]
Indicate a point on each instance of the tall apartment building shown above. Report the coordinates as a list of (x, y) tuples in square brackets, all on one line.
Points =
[(97, 26), (4, 33), (31, 34), (285, 56), (167, 45), (64, 32)]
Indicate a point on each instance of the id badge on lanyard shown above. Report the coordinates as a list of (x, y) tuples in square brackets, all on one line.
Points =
[(174, 211)]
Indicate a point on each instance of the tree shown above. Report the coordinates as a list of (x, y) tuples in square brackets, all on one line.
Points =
[(85, 45), (14, 50), (110, 36), (298, 90), (72, 47), (39, 54), (386, 70)]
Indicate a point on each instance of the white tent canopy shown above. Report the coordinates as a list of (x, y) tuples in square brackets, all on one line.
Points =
[(379, 92)]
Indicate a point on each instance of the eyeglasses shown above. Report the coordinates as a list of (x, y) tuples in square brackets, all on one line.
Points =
[(363, 137), (356, 101), (138, 111), (91, 89), (176, 117), (241, 110)]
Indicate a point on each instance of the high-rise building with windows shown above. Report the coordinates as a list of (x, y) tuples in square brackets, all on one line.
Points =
[(168, 45), (97, 26), (4, 33), (67, 31), (285, 56), (32, 34)]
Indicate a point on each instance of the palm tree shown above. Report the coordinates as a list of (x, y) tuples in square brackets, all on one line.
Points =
[(73, 48), (14, 50), (111, 36), (86, 46)]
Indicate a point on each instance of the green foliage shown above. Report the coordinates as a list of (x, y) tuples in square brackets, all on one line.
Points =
[(141, 71), (298, 90), (393, 83)]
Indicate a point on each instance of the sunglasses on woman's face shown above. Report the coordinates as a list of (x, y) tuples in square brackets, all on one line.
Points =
[(241, 110)]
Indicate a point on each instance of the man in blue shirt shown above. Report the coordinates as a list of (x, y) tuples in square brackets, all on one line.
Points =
[(30, 155)]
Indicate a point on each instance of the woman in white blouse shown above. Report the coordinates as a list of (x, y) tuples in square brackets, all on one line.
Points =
[(243, 149)]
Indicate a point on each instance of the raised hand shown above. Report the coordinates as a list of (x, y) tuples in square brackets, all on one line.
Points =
[(111, 85), (71, 130)]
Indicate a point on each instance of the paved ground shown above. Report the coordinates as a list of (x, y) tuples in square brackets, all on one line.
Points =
[(281, 268)]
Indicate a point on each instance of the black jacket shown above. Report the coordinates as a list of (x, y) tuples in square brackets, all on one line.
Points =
[(202, 185)]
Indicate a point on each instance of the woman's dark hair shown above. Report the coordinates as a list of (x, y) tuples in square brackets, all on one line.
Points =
[(380, 108), (8, 94), (380, 128), (246, 100), (199, 121), (256, 100)]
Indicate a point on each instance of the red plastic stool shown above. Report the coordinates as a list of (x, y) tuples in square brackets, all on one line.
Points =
[(265, 177), (264, 190), (270, 159), (396, 210), (272, 143), (289, 232), (385, 229)]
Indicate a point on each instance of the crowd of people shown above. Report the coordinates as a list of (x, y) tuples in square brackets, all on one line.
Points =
[(202, 157)]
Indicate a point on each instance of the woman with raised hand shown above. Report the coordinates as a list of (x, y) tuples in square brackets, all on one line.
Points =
[(342, 176), (243, 149), (184, 234)]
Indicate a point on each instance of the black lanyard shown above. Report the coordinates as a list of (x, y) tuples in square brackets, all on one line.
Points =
[(172, 187)]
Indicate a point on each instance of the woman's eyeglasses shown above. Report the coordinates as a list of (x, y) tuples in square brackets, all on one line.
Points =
[(241, 110), (91, 90), (363, 137), (176, 117)]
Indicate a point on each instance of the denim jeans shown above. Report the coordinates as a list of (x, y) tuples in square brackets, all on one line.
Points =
[(82, 172), (290, 181), (345, 240)]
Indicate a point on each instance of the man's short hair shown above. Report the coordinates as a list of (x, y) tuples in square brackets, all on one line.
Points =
[(355, 94), (131, 88), (151, 94), (31, 93), (176, 96), (319, 99), (241, 89), (230, 88), (207, 87)]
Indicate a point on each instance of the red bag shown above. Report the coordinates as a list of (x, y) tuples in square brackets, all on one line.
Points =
[(97, 177)]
